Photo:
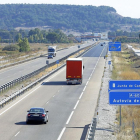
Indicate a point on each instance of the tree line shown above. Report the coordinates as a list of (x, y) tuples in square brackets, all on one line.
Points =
[(124, 36), (34, 36), (23, 38), (76, 17)]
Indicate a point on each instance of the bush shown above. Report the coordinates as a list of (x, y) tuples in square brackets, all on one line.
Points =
[(11, 48)]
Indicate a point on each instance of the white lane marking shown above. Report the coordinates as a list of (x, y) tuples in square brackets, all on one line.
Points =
[(17, 133), (81, 95), (47, 102), (69, 117), (86, 83), (61, 133), (84, 88), (53, 95), (58, 90), (30, 93), (76, 104)]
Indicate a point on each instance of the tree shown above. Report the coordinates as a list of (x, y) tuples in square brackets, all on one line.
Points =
[(52, 37), (18, 36), (24, 45)]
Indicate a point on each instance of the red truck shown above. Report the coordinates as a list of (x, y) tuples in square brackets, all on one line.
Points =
[(74, 70)]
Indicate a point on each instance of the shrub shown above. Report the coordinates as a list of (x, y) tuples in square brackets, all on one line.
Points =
[(11, 48)]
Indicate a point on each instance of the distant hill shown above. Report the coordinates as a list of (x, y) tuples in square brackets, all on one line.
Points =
[(76, 17)]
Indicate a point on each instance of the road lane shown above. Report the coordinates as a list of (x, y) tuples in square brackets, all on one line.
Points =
[(60, 106), (11, 73)]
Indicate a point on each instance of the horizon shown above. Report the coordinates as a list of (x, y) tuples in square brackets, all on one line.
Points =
[(123, 8)]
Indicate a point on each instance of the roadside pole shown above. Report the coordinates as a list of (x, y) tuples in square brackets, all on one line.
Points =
[(120, 118), (47, 62)]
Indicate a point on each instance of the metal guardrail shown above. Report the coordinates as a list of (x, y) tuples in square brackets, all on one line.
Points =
[(19, 62), (92, 129), (24, 89)]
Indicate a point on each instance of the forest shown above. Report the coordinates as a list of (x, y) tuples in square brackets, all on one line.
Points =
[(76, 17)]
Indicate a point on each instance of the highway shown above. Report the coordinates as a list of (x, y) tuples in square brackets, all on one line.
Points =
[(62, 101), (14, 72)]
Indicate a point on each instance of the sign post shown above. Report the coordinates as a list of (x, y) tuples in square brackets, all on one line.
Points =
[(57, 62), (109, 63), (47, 62), (124, 92)]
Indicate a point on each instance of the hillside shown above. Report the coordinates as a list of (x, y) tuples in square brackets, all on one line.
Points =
[(76, 17)]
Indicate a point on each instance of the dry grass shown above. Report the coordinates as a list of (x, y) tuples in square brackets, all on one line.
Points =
[(28, 81), (123, 70), (37, 49)]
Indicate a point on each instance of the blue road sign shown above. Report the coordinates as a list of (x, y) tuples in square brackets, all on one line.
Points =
[(57, 62), (124, 98), (124, 85), (109, 62), (114, 46)]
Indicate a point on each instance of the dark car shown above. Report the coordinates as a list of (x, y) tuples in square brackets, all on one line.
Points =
[(50, 56), (37, 114), (101, 44)]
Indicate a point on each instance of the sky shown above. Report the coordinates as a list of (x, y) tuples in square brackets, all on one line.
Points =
[(126, 8)]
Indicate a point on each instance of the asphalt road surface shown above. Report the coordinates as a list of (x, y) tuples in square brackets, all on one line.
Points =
[(60, 99), (14, 72)]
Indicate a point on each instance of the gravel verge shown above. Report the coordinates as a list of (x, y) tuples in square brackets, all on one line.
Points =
[(106, 118)]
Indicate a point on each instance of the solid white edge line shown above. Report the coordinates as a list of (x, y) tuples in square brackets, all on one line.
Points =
[(17, 133), (69, 117), (30, 92), (76, 104), (81, 95), (61, 133)]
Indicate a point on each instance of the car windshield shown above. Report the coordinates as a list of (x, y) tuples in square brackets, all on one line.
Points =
[(36, 110), (51, 50)]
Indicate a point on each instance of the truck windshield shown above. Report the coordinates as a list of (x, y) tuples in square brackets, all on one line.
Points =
[(51, 50)]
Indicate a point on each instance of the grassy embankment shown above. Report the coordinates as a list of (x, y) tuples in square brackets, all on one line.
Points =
[(126, 66), (28, 81), (36, 49)]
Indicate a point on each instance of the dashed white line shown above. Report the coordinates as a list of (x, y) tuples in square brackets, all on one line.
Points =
[(81, 95), (76, 104), (86, 83), (53, 95), (58, 90), (47, 102), (84, 88), (69, 117), (61, 133), (30, 92), (17, 133)]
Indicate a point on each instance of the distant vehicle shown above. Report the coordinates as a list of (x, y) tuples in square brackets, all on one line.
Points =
[(37, 114), (50, 56), (74, 70), (101, 44), (52, 50)]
